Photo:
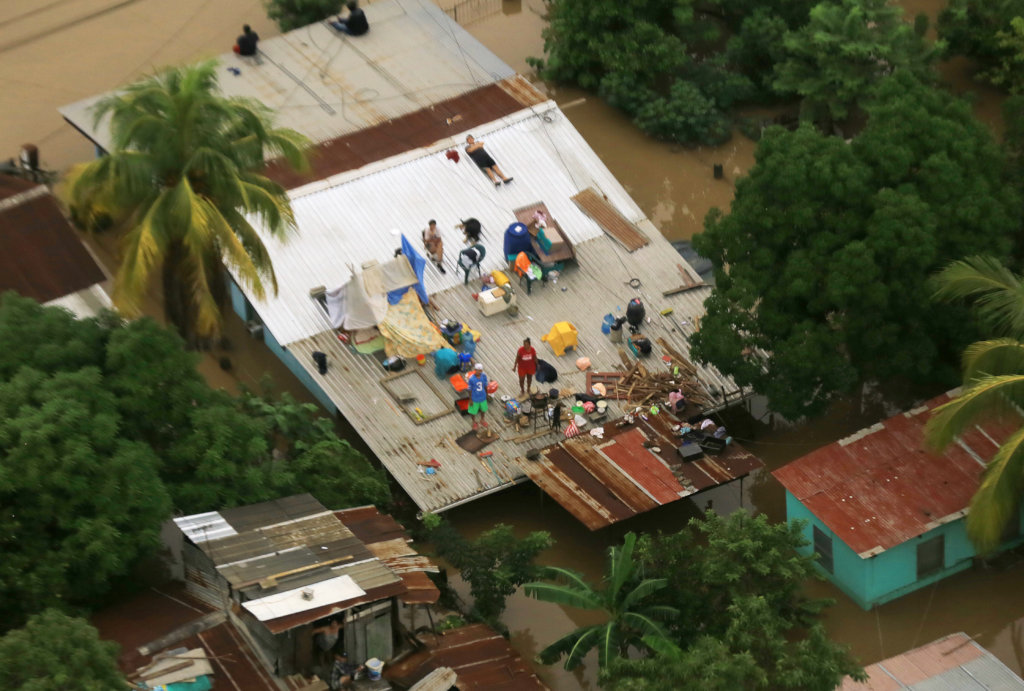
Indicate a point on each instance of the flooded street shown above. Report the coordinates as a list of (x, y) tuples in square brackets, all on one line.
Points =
[(53, 52)]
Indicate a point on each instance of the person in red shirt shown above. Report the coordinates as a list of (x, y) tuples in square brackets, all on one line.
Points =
[(526, 365)]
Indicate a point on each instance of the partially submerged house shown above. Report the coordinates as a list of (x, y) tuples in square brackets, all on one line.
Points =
[(284, 567), (885, 515), (390, 112), (956, 662), (40, 255)]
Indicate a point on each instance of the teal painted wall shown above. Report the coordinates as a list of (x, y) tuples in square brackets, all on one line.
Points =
[(893, 573), (241, 307)]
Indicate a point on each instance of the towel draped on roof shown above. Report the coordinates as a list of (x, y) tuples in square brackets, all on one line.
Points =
[(408, 330)]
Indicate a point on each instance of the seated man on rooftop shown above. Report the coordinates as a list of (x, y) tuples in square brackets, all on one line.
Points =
[(355, 24)]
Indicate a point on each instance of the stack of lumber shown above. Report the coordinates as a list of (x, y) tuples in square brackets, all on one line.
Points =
[(639, 385)]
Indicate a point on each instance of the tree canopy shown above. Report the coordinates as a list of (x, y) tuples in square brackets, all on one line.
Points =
[(183, 179), (105, 426), (743, 621), (56, 652), (991, 32), (846, 48), (294, 14), (822, 264), (494, 564), (676, 67)]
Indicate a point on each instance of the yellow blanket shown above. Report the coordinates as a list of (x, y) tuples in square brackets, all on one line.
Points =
[(408, 330)]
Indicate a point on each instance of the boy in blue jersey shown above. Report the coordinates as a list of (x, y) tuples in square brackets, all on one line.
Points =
[(478, 395)]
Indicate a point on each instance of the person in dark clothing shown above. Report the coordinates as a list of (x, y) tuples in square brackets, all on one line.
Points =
[(343, 671), (355, 24), (245, 45), (484, 162)]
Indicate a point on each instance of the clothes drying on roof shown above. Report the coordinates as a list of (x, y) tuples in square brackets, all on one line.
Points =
[(362, 301)]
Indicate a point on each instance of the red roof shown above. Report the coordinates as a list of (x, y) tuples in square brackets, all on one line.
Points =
[(880, 487)]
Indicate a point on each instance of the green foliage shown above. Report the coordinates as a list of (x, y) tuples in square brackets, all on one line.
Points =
[(821, 267), (993, 386), (185, 174), (55, 652), (985, 31), (743, 623), (675, 66), (847, 47), (294, 14), (625, 601), (494, 564), (106, 425)]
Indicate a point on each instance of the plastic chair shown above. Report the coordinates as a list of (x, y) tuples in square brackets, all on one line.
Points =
[(467, 264), (524, 269)]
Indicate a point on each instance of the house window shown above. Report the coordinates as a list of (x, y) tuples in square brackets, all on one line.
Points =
[(823, 547), (931, 556)]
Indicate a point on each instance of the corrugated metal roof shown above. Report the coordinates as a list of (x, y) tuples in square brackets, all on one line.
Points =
[(603, 481), (880, 487), (481, 658), (955, 662), (347, 221), (324, 84), (40, 255)]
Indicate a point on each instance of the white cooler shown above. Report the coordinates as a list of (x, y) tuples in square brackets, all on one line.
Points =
[(491, 302)]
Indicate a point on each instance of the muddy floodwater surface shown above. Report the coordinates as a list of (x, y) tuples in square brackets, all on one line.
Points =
[(53, 52)]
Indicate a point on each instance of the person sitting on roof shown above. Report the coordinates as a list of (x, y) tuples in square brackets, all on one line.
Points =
[(484, 162), (245, 45), (343, 671), (434, 245), (353, 25)]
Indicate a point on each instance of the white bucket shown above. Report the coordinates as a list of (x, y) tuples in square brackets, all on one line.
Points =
[(374, 667)]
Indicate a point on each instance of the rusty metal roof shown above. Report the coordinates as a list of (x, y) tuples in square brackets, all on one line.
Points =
[(481, 658), (880, 487), (40, 255), (955, 662), (325, 84), (604, 481), (412, 131)]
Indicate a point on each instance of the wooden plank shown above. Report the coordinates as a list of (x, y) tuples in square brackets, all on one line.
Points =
[(610, 220), (620, 484)]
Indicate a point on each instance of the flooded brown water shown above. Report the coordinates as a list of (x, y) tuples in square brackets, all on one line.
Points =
[(53, 52)]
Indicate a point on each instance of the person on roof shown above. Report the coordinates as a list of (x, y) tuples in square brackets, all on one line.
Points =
[(484, 162), (434, 245), (477, 395), (353, 25), (525, 365), (343, 671), (245, 45)]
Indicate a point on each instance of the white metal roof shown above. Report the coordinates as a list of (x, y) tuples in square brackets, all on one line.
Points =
[(349, 219), (303, 599), (325, 84)]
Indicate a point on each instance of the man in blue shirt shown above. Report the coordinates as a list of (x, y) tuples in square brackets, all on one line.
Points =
[(478, 395)]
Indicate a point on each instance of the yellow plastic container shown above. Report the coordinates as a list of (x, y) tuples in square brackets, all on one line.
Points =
[(561, 337), (500, 279)]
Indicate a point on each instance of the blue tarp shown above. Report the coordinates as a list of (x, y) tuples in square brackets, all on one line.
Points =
[(517, 239), (417, 262)]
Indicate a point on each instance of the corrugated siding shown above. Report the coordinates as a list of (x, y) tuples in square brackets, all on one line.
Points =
[(202, 580), (326, 85)]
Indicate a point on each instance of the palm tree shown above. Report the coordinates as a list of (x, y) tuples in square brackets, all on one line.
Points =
[(621, 600), (184, 180), (993, 384)]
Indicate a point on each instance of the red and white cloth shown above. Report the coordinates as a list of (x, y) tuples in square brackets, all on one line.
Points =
[(572, 430)]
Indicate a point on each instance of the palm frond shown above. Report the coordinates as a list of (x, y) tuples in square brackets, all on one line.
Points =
[(564, 595), (567, 576), (645, 588), (143, 249), (574, 646), (998, 356), (997, 293), (609, 644), (992, 395), (644, 624), (248, 273), (621, 566), (997, 500), (662, 646)]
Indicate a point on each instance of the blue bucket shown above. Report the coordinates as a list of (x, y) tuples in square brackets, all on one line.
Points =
[(606, 325)]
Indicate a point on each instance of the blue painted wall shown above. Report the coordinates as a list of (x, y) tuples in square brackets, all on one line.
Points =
[(893, 573), (242, 308)]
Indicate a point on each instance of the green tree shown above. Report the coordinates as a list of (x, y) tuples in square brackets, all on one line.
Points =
[(55, 652), (80, 503), (744, 623), (848, 46), (294, 14), (494, 564), (822, 265), (184, 177), (668, 63), (984, 30), (625, 600), (993, 386)]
